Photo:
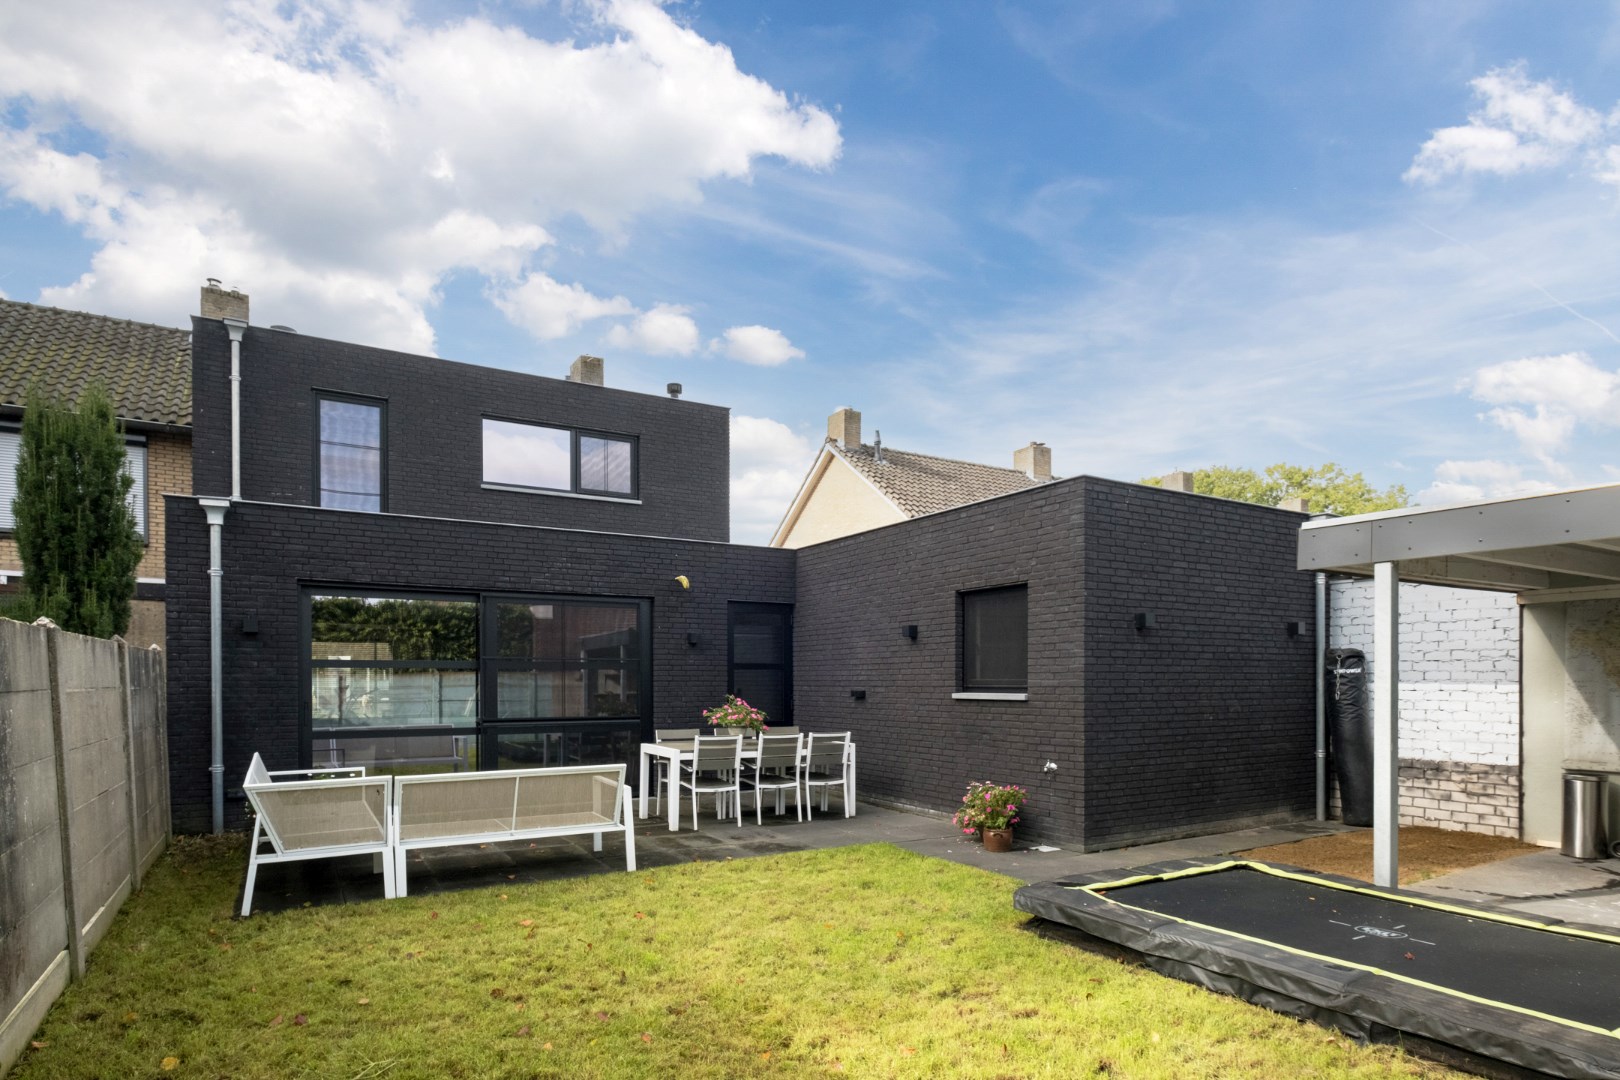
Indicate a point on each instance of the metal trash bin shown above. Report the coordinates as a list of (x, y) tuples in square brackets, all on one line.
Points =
[(1583, 836)]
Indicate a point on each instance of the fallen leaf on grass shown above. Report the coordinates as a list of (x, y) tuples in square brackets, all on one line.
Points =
[(169, 1064), (908, 1050), (766, 1056), (645, 1037), (546, 1047), (503, 896), (363, 1001), (526, 922), (300, 1020), (277, 1021), (433, 914), (524, 1030), (603, 1016), (497, 993), (130, 1018), (640, 915), (1155, 1036), (39, 1044)]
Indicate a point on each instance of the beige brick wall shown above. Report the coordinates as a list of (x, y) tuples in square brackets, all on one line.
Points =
[(1463, 796)]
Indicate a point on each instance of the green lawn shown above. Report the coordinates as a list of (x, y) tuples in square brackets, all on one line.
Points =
[(867, 961)]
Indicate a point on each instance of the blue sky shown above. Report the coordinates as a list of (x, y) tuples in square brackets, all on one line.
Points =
[(1152, 235)]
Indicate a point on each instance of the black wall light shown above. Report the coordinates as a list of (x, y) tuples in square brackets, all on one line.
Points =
[(858, 695), (693, 640), (1294, 627), (908, 631), (1146, 620)]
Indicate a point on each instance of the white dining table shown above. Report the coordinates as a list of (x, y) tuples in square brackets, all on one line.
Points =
[(678, 750)]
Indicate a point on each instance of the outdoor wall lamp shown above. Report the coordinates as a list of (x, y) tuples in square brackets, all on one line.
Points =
[(1293, 626), (1145, 620), (693, 640), (908, 631), (683, 581), (858, 695)]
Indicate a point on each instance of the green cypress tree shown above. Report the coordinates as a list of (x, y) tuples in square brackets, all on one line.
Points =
[(76, 535)]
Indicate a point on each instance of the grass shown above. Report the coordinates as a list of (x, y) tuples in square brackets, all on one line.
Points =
[(864, 961), (1425, 852)]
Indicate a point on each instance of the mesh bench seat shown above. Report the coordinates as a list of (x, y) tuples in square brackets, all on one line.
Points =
[(456, 809)]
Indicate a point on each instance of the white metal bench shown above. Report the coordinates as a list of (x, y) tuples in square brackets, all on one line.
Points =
[(455, 809), (317, 819)]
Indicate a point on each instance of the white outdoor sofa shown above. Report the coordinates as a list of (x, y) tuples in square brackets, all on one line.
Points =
[(317, 819), (455, 809)]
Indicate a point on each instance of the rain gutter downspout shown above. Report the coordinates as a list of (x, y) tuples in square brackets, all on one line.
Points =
[(1321, 697), (236, 328), (215, 509)]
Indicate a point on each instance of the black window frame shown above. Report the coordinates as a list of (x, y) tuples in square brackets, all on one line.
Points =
[(968, 643), (381, 405), (576, 485)]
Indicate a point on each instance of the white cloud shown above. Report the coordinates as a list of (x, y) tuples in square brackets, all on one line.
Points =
[(1470, 481), (759, 345), (666, 330), (1520, 125), (549, 309), (294, 148), (768, 463), (1541, 399)]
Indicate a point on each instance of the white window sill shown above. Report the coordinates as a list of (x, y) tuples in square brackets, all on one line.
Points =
[(989, 697), (559, 494)]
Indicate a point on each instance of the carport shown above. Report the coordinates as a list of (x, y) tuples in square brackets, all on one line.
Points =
[(1560, 553)]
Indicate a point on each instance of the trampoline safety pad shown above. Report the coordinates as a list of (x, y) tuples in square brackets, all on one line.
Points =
[(1375, 963)]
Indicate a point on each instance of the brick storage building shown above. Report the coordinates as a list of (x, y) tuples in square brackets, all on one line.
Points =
[(432, 564)]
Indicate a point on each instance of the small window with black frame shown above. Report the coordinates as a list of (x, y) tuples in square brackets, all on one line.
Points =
[(539, 457), (995, 640), (349, 465)]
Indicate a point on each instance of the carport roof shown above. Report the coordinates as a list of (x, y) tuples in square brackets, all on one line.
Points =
[(1561, 545)]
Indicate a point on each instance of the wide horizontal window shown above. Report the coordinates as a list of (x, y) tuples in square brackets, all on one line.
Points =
[(995, 640), (392, 661), (561, 459)]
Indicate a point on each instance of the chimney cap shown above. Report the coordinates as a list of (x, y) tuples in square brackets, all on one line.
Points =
[(673, 389)]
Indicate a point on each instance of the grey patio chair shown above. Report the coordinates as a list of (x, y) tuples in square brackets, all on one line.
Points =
[(317, 819), (826, 766), (777, 769), (715, 769), (660, 779)]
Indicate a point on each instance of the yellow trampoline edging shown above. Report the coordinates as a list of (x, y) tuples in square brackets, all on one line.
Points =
[(1100, 889)]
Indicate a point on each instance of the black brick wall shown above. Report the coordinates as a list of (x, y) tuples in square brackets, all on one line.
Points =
[(1205, 723), (270, 550), (434, 437)]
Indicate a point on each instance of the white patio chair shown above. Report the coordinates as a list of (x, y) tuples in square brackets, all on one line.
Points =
[(777, 769), (660, 779), (317, 819), (826, 766), (715, 769)]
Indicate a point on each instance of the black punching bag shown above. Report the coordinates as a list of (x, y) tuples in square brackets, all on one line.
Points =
[(1351, 729)]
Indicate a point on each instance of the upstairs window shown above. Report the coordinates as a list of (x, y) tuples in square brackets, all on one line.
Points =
[(350, 463), (995, 640), (541, 458)]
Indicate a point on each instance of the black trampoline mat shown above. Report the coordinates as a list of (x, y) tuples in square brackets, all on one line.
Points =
[(1561, 975)]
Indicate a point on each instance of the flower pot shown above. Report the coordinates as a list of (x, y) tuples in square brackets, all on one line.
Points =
[(997, 839)]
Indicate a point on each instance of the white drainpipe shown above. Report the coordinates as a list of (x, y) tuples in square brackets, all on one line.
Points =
[(236, 328), (215, 509), (1321, 697)]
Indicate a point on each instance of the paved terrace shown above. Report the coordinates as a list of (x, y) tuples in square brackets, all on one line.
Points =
[(1543, 884)]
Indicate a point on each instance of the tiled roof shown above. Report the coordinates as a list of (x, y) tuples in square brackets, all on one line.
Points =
[(146, 368), (922, 484)]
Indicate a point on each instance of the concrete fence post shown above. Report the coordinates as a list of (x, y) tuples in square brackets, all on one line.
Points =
[(130, 778), (70, 900)]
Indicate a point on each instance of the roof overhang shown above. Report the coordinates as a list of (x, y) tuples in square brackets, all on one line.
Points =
[(1557, 545)]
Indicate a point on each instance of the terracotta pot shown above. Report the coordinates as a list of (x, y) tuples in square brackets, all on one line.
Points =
[(997, 839)]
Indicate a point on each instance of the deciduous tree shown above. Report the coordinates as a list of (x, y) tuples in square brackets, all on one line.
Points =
[(1329, 488)]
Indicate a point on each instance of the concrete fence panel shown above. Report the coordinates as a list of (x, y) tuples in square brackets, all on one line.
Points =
[(84, 807)]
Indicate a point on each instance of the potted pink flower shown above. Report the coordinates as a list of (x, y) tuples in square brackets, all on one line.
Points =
[(736, 713), (991, 810)]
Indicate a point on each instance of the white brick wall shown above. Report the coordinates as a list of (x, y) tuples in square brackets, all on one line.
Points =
[(1459, 668), (1459, 740)]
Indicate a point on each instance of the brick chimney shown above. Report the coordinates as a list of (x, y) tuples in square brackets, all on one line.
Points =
[(1299, 505), (844, 427), (587, 370), (1177, 481), (1034, 461), (219, 304)]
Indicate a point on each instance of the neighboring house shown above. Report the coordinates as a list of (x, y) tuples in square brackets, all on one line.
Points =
[(147, 372), (854, 486), (433, 564)]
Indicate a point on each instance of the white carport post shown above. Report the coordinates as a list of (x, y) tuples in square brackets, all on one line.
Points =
[(1386, 672)]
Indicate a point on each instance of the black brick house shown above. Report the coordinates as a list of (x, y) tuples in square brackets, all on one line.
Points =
[(432, 564)]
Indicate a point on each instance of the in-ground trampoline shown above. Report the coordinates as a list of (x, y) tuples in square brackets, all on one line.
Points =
[(1379, 964)]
